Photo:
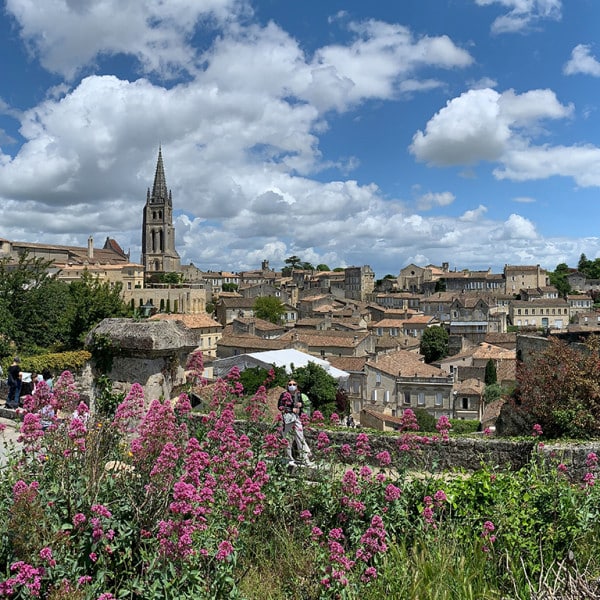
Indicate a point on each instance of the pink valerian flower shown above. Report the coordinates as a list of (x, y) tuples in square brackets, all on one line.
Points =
[(383, 458), (591, 460), (317, 418), (225, 550), (537, 430), (409, 421), (443, 426), (183, 406), (365, 472), (487, 432), (392, 493), (257, 405), (84, 580), (195, 366), (373, 540), (25, 493), (101, 510), (65, 393), (106, 596), (339, 562), (346, 451), (369, 574), (315, 533), (562, 468), (164, 469), (350, 484), (157, 428), (130, 411), (440, 498), (306, 516), (97, 531), (28, 576), (488, 535), (273, 444), (77, 433), (362, 446), (31, 433), (220, 394), (334, 418), (46, 555), (93, 556), (41, 397), (323, 442), (428, 513), (79, 519), (589, 480)]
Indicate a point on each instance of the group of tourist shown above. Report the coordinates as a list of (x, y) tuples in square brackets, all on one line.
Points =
[(22, 384)]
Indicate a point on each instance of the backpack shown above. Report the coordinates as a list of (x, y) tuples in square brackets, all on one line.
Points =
[(306, 405)]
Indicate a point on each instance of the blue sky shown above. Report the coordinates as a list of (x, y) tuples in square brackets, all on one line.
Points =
[(346, 133)]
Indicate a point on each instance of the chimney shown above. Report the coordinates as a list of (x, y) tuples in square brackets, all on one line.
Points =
[(90, 249)]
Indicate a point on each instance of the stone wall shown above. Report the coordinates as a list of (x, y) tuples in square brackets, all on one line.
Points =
[(465, 454)]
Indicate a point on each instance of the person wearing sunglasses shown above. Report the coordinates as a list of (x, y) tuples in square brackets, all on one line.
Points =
[(291, 405)]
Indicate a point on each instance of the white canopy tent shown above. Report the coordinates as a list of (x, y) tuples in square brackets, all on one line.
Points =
[(289, 358)]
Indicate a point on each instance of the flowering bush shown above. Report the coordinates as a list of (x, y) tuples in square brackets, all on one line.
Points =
[(159, 503)]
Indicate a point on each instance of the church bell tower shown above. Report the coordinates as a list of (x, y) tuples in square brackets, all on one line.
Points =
[(158, 234)]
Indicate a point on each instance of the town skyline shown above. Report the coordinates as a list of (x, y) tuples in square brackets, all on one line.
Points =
[(345, 134)]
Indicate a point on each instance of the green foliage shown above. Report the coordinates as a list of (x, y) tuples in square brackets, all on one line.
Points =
[(425, 420), (491, 376), (91, 301), (106, 400), (103, 353), (589, 268), (32, 304), (253, 377), (56, 362), (464, 426), (317, 384), (293, 262), (323, 267), (493, 392), (146, 511), (558, 279), (434, 344), (269, 308), (229, 287), (559, 388)]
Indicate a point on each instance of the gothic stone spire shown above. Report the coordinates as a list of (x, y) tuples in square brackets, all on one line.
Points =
[(159, 189)]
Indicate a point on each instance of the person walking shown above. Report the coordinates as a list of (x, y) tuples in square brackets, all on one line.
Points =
[(14, 384), (291, 404)]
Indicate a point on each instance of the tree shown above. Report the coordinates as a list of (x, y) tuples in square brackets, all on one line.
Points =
[(306, 266), (92, 300), (253, 377), (434, 344), (323, 267), (559, 388), (229, 287), (293, 262), (32, 303), (317, 384), (491, 376), (269, 308), (559, 279)]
